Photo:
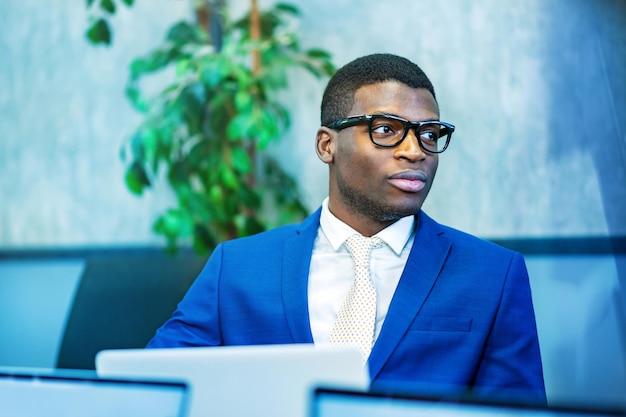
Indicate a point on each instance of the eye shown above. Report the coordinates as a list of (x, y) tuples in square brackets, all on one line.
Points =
[(386, 131), (383, 128), (430, 134)]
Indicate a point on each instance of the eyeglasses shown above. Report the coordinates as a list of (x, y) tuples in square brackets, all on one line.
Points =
[(387, 130)]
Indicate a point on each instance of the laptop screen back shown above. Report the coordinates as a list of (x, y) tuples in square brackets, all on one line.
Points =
[(238, 381), (26, 394), (338, 403)]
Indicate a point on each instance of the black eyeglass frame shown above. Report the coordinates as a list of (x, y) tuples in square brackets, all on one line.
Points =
[(416, 126)]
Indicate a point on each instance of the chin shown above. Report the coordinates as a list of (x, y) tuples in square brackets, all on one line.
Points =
[(398, 212), (409, 206)]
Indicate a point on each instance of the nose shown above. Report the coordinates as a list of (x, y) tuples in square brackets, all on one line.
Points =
[(409, 148)]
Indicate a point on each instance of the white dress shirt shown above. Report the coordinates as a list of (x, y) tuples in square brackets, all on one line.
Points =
[(331, 273)]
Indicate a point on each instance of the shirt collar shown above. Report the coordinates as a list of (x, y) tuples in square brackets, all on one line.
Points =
[(395, 235)]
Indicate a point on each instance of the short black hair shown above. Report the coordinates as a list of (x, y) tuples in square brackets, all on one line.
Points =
[(338, 96)]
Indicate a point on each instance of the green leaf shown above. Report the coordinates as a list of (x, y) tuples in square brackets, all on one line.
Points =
[(191, 101), (249, 197), (136, 147), (213, 71), (150, 63), (241, 160), (239, 221), (108, 6), (288, 8), (283, 115), (184, 33), (253, 226), (243, 101), (138, 67), (89, 3), (269, 23), (314, 70), (174, 223), (183, 66), (274, 79), (163, 151), (178, 174), (216, 195), (128, 2), (150, 143), (99, 32), (136, 178), (137, 100), (239, 126), (242, 75), (203, 239), (198, 204), (329, 68), (229, 178), (268, 128), (199, 153), (318, 53)]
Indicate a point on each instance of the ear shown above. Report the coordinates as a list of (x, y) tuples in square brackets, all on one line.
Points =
[(325, 144)]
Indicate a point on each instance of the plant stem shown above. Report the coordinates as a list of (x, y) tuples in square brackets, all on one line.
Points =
[(255, 36)]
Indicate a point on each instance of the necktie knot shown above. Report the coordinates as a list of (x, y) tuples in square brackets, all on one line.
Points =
[(360, 248)]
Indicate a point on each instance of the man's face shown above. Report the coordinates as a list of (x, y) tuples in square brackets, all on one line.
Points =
[(374, 185)]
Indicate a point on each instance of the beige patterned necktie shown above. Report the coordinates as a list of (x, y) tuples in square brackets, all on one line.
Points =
[(357, 317)]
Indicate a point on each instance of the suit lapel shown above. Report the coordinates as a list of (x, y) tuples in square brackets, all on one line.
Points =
[(297, 252), (429, 251)]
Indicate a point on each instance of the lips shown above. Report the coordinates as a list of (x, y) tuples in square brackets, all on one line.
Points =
[(409, 181)]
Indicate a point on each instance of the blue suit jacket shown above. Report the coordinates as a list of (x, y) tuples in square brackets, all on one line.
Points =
[(461, 316)]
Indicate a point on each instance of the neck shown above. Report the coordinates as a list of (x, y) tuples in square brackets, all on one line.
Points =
[(366, 226)]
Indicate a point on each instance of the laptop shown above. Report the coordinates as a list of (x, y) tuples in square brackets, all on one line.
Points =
[(267, 380), (332, 402), (27, 392)]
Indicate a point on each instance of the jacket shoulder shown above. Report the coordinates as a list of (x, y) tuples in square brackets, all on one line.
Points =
[(465, 241), (279, 235)]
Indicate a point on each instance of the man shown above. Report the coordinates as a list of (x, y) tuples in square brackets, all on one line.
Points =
[(450, 311)]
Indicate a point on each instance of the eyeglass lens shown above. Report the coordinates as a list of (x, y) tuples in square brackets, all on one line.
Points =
[(386, 131)]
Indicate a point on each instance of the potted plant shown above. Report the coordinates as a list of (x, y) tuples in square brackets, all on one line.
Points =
[(206, 132)]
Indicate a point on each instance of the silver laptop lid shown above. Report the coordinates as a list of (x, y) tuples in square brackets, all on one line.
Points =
[(330, 402), (267, 380), (39, 393)]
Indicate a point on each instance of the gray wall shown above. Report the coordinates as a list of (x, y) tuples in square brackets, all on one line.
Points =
[(63, 118), (536, 89)]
